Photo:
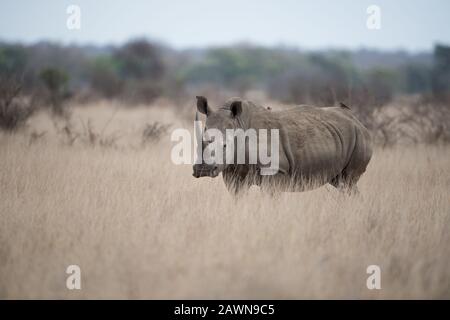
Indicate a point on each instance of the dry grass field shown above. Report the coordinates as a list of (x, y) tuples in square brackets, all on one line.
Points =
[(140, 227)]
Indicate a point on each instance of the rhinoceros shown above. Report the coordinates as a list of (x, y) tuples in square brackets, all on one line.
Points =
[(317, 145)]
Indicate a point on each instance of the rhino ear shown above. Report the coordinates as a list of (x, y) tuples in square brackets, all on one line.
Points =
[(236, 108), (202, 105)]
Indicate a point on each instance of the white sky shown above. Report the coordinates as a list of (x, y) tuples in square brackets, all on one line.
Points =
[(412, 25)]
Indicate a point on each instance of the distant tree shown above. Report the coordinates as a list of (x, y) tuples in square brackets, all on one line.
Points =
[(140, 59), (441, 73), (104, 76), (238, 68), (381, 85), (141, 67), (14, 109), (13, 59), (417, 78), (55, 81), (321, 79)]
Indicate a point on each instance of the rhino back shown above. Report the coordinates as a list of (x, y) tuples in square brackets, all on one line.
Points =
[(321, 140)]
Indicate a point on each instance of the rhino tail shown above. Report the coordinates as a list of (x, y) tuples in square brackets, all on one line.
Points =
[(342, 105)]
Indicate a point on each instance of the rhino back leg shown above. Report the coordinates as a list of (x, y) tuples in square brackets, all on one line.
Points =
[(348, 178)]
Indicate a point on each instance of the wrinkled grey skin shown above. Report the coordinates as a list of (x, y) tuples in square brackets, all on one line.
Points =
[(317, 146)]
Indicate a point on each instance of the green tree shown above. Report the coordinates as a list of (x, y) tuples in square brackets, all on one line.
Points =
[(441, 72), (140, 59), (104, 76), (382, 84), (13, 59), (56, 81)]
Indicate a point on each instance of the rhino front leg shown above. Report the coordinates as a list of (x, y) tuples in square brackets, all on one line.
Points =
[(345, 184), (274, 185), (235, 184)]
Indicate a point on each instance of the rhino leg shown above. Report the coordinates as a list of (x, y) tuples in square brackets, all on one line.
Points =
[(345, 184), (234, 186), (359, 160), (273, 185), (348, 178), (235, 183)]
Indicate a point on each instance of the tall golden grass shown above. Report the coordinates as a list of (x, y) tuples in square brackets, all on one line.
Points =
[(140, 227)]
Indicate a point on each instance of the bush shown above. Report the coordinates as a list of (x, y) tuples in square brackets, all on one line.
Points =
[(14, 110), (154, 131), (104, 76)]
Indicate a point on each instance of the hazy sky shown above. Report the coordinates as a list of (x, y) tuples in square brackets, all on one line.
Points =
[(413, 25)]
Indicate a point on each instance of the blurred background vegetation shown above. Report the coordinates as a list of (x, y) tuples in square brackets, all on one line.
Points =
[(140, 71)]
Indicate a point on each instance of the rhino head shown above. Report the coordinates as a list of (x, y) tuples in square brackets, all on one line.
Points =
[(219, 119)]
